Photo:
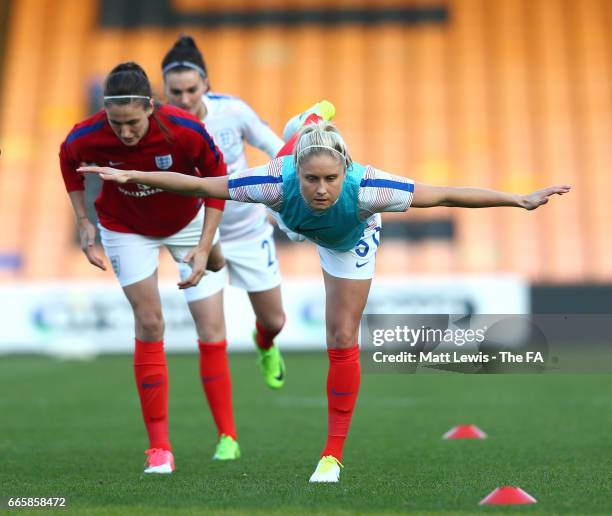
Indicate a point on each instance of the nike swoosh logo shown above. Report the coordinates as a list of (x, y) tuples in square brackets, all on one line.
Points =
[(336, 393), (206, 379), (359, 265), (280, 375), (113, 163), (150, 385)]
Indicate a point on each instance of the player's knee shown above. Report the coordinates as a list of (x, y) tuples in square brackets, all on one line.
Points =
[(212, 334), (272, 322), (150, 323), (211, 330), (344, 337), (291, 127)]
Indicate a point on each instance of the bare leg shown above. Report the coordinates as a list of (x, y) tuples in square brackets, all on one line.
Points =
[(345, 300), (208, 317), (269, 314), (344, 305), (150, 368), (146, 305)]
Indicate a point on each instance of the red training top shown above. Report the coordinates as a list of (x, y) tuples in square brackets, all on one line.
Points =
[(130, 208)]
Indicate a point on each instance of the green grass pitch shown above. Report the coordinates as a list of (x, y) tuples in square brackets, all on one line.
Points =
[(73, 429)]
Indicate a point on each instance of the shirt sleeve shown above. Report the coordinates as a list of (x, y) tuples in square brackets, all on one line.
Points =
[(380, 191), (257, 133), (259, 185), (73, 181), (210, 163)]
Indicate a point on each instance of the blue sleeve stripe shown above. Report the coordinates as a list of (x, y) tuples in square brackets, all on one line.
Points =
[(253, 180), (388, 183), (197, 127), (82, 131), (217, 96)]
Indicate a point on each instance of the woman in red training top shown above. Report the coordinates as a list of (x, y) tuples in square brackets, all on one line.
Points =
[(132, 132)]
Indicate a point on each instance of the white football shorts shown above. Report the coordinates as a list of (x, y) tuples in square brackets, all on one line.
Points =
[(135, 257), (252, 263), (358, 263)]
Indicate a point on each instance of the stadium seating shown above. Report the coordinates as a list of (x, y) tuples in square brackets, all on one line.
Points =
[(510, 94)]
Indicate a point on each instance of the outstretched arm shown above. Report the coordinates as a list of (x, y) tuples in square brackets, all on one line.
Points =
[(171, 181), (427, 196)]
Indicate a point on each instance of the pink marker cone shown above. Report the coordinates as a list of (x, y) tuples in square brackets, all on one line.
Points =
[(508, 495), (465, 432)]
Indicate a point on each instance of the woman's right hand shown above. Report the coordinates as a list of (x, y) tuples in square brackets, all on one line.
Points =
[(87, 235), (107, 173)]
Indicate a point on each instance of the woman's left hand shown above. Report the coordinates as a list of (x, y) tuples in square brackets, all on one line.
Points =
[(197, 258), (534, 200)]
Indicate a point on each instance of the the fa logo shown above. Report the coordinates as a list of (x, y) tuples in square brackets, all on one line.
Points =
[(225, 138), (116, 264), (163, 162)]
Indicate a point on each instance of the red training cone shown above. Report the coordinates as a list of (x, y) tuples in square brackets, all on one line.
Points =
[(465, 432), (508, 495)]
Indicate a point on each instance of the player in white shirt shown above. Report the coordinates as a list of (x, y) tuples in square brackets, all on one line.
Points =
[(246, 234)]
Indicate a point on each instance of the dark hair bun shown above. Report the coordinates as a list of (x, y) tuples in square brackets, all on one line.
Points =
[(185, 41), (184, 50)]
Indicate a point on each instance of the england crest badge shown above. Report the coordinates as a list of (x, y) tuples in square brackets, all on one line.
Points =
[(163, 162)]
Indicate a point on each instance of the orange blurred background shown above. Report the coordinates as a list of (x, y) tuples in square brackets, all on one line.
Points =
[(508, 94)]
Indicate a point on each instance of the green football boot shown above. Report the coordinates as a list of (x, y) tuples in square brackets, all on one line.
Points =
[(271, 364), (227, 449)]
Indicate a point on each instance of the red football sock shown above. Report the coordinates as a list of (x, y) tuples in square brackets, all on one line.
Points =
[(290, 143), (151, 375), (217, 383), (342, 388), (264, 338)]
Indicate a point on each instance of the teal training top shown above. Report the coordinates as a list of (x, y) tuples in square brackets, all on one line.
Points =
[(338, 227), (366, 191)]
